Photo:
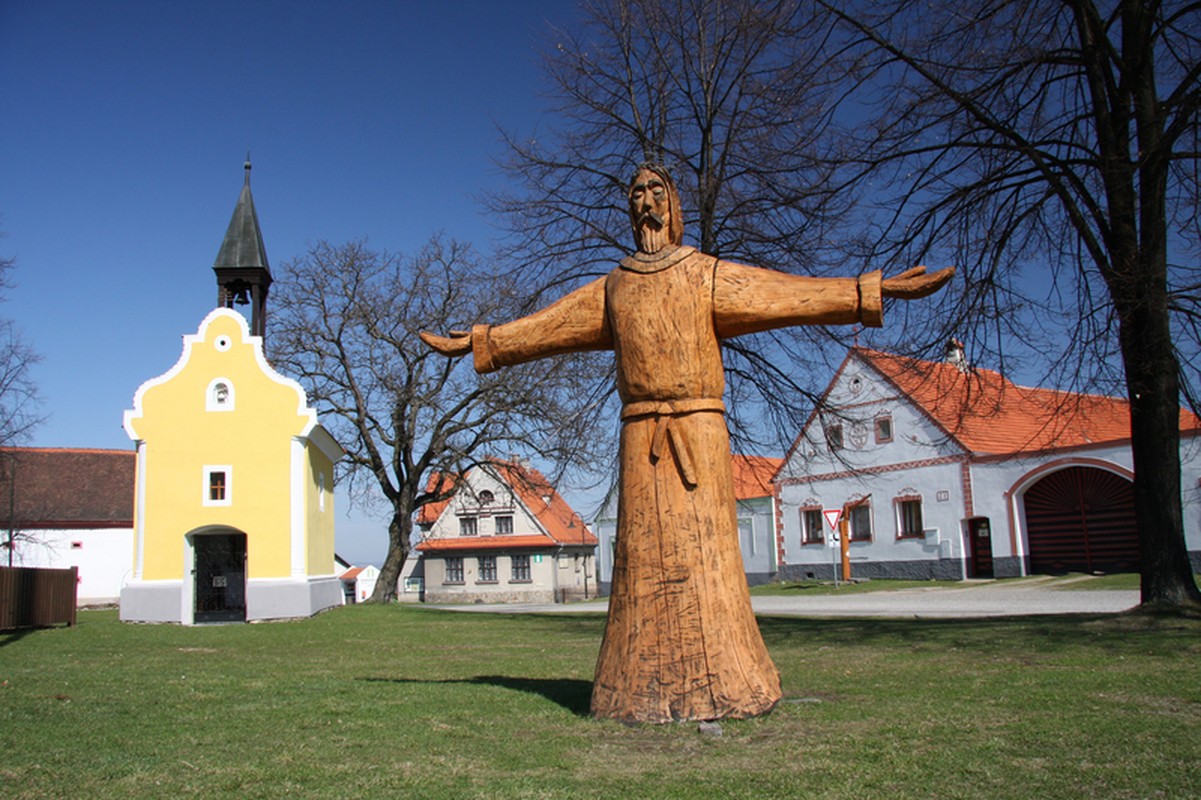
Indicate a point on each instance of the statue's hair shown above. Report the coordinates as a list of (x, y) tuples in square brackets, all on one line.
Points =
[(675, 230)]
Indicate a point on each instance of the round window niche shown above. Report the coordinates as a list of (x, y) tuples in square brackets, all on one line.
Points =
[(223, 343)]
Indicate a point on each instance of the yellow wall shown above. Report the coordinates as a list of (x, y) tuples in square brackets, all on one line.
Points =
[(320, 552), (181, 436)]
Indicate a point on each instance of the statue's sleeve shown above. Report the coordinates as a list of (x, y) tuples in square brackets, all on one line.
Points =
[(750, 299), (574, 322)]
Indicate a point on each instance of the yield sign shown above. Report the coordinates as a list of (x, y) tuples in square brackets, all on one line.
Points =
[(832, 516)]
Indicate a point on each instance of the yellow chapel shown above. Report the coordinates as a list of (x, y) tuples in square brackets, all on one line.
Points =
[(233, 506)]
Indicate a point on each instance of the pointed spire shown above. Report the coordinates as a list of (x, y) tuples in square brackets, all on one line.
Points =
[(243, 277), (243, 245)]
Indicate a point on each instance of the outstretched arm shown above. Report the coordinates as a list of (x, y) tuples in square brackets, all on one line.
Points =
[(750, 299), (572, 323)]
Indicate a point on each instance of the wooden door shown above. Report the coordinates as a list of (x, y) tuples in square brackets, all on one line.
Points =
[(979, 534), (1081, 519)]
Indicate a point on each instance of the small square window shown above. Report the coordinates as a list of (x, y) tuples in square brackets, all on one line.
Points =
[(909, 517), (811, 526), (883, 429), (860, 520), (504, 524), (467, 526), (217, 485), (834, 437)]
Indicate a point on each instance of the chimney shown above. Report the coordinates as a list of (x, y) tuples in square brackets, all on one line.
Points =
[(954, 354)]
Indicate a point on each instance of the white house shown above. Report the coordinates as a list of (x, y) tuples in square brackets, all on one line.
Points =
[(505, 536), (948, 471), (69, 507), (358, 583), (757, 522)]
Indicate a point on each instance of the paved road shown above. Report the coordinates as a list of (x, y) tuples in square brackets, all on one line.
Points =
[(969, 599)]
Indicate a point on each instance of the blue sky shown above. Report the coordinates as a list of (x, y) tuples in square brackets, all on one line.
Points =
[(125, 128)]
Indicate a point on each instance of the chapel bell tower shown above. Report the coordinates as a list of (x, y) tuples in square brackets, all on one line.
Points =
[(243, 276)]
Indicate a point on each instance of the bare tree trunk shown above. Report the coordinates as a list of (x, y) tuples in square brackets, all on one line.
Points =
[(399, 532), (1154, 391)]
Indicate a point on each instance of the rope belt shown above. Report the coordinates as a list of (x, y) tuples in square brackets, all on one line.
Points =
[(667, 431)]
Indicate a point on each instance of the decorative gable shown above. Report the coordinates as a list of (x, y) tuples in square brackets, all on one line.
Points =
[(222, 362), (502, 504)]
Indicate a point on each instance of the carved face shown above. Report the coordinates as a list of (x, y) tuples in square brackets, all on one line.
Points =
[(652, 211)]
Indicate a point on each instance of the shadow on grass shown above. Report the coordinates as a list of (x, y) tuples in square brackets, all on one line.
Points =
[(14, 635), (1107, 633), (573, 694)]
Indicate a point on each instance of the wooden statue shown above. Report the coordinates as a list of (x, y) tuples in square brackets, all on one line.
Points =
[(681, 642)]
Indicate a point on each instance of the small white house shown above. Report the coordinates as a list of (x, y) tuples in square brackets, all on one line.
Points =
[(949, 471), (69, 507), (358, 583), (505, 536)]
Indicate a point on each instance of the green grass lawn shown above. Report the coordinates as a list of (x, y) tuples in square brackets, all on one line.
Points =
[(417, 702)]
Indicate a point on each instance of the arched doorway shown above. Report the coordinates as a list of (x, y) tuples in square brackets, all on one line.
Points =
[(220, 577), (1081, 519)]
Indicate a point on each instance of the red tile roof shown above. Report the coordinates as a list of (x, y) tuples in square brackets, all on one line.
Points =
[(59, 487), (988, 414), (450, 544), (428, 514), (563, 526), (753, 474)]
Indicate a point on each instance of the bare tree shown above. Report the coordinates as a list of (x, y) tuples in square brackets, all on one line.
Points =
[(1059, 139), (20, 407), (348, 329), (20, 403), (734, 97)]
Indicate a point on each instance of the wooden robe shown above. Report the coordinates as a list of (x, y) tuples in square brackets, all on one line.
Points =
[(681, 641)]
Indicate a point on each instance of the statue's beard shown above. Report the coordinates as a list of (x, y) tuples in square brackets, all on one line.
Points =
[(652, 233)]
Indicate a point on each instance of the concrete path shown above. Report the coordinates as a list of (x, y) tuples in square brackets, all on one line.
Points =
[(1036, 595)]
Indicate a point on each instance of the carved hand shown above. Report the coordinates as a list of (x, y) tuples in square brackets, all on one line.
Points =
[(914, 283), (457, 344)]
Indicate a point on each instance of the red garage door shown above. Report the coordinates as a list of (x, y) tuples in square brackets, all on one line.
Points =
[(1081, 519)]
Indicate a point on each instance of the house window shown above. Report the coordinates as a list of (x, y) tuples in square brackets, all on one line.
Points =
[(504, 524), (883, 429), (467, 526), (487, 569), (909, 517), (521, 569), (860, 518), (746, 533), (219, 396), (217, 489), (834, 437), (811, 526), (486, 498), (454, 570)]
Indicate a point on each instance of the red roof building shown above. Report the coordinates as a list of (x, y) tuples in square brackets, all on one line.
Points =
[(950, 471), (505, 535), (69, 507)]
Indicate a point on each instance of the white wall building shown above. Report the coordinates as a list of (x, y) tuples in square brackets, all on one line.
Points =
[(505, 536), (69, 507), (947, 471)]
